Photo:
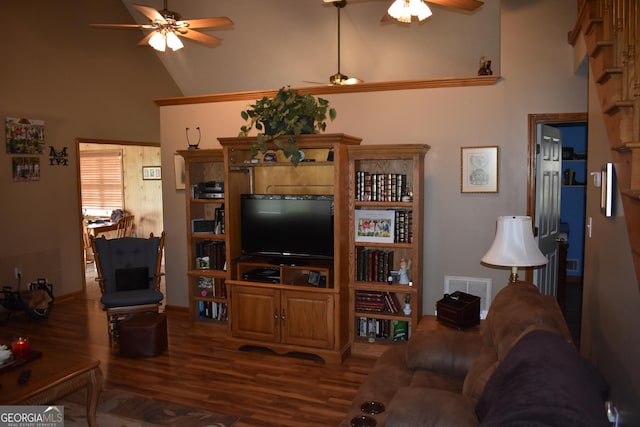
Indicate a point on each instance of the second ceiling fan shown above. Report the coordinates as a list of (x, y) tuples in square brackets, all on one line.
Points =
[(402, 10), (338, 78)]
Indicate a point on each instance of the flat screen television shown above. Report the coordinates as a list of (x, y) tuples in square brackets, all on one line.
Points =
[(288, 228)]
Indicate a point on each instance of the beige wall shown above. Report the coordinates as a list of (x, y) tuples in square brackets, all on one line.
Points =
[(82, 83)]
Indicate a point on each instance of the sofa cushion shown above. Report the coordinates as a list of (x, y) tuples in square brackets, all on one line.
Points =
[(419, 406), (516, 310), (479, 373), (431, 379), (518, 307), (445, 351), (543, 381)]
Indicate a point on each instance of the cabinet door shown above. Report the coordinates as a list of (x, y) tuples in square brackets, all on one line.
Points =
[(255, 313), (308, 319)]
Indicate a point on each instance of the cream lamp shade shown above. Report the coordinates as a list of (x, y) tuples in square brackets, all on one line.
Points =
[(514, 245)]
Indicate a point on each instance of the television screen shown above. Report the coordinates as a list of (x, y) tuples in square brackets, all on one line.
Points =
[(287, 226)]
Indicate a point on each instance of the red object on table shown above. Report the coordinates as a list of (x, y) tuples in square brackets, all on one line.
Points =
[(21, 347)]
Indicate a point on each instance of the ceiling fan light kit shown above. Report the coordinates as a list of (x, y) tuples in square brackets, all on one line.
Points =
[(403, 10), (161, 39)]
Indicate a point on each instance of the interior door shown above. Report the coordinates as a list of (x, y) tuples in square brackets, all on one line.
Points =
[(548, 179)]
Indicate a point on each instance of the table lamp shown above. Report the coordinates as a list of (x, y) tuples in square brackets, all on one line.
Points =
[(514, 246)]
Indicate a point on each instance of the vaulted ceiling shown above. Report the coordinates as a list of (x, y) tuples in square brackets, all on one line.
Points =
[(275, 43)]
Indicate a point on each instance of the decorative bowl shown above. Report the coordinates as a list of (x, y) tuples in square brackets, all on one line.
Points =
[(5, 354)]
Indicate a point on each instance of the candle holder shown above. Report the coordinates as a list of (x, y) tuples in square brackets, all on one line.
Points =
[(20, 347)]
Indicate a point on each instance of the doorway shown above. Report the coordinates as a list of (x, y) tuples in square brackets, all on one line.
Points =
[(572, 213), (142, 197)]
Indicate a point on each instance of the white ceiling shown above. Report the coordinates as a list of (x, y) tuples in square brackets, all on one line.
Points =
[(275, 43)]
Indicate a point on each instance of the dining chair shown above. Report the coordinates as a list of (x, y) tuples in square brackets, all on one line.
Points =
[(129, 275), (125, 226)]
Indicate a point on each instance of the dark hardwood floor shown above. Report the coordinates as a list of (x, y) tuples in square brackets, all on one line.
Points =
[(263, 389)]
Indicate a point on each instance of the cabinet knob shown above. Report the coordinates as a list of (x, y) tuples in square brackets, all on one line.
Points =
[(284, 316), (275, 315)]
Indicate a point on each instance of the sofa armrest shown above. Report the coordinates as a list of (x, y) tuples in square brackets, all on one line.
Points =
[(424, 407), (449, 352)]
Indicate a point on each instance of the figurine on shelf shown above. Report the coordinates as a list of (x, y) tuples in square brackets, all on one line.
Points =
[(485, 67), (407, 305), (403, 272)]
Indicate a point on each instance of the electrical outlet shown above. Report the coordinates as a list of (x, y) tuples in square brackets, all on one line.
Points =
[(17, 271)]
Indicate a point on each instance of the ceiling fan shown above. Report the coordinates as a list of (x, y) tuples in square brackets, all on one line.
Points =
[(339, 79), (402, 10), (167, 25)]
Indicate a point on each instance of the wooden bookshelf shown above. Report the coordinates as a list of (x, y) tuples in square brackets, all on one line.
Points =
[(385, 187)]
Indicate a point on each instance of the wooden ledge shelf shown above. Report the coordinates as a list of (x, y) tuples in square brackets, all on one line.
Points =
[(325, 89)]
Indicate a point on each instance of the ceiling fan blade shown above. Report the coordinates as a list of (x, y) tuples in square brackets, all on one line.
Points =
[(121, 26), (200, 37), (222, 21), (468, 5), (387, 18), (317, 83), (145, 40), (150, 13)]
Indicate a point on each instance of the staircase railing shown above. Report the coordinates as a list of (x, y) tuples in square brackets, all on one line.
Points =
[(611, 29)]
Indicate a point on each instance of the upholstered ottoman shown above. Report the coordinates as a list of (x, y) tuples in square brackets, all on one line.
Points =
[(143, 335)]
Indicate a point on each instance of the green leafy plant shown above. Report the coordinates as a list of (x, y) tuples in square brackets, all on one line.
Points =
[(288, 113)]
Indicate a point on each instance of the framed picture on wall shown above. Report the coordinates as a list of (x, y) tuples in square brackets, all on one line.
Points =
[(479, 169), (151, 172), (178, 166)]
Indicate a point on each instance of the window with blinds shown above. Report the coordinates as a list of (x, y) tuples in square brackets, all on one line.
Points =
[(101, 181)]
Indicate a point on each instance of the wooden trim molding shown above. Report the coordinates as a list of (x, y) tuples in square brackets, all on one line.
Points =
[(328, 89)]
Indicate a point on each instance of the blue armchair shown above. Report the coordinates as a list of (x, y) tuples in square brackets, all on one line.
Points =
[(129, 274)]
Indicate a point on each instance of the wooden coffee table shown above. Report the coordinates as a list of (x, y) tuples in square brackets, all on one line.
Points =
[(52, 377)]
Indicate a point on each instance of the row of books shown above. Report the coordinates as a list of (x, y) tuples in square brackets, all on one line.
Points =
[(382, 329), (213, 310), (219, 218), (210, 254), (403, 226), (373, 265), (211, 287), (377, 301), (380, 187)]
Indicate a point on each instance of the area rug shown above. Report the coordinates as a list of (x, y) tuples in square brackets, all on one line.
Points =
[(117, 409)]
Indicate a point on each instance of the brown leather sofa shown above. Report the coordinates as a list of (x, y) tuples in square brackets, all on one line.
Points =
[(522, 369)]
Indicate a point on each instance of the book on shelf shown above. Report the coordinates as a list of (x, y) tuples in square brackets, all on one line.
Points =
[(210, 254), (376, 301), (213, 310), (403, 225), (391, 300), (373, 265), (400, 330), (219, 219), (371, 327), (380, 187), (211, 287)]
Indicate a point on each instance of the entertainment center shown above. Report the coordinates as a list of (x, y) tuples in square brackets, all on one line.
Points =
[(280, 269)]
